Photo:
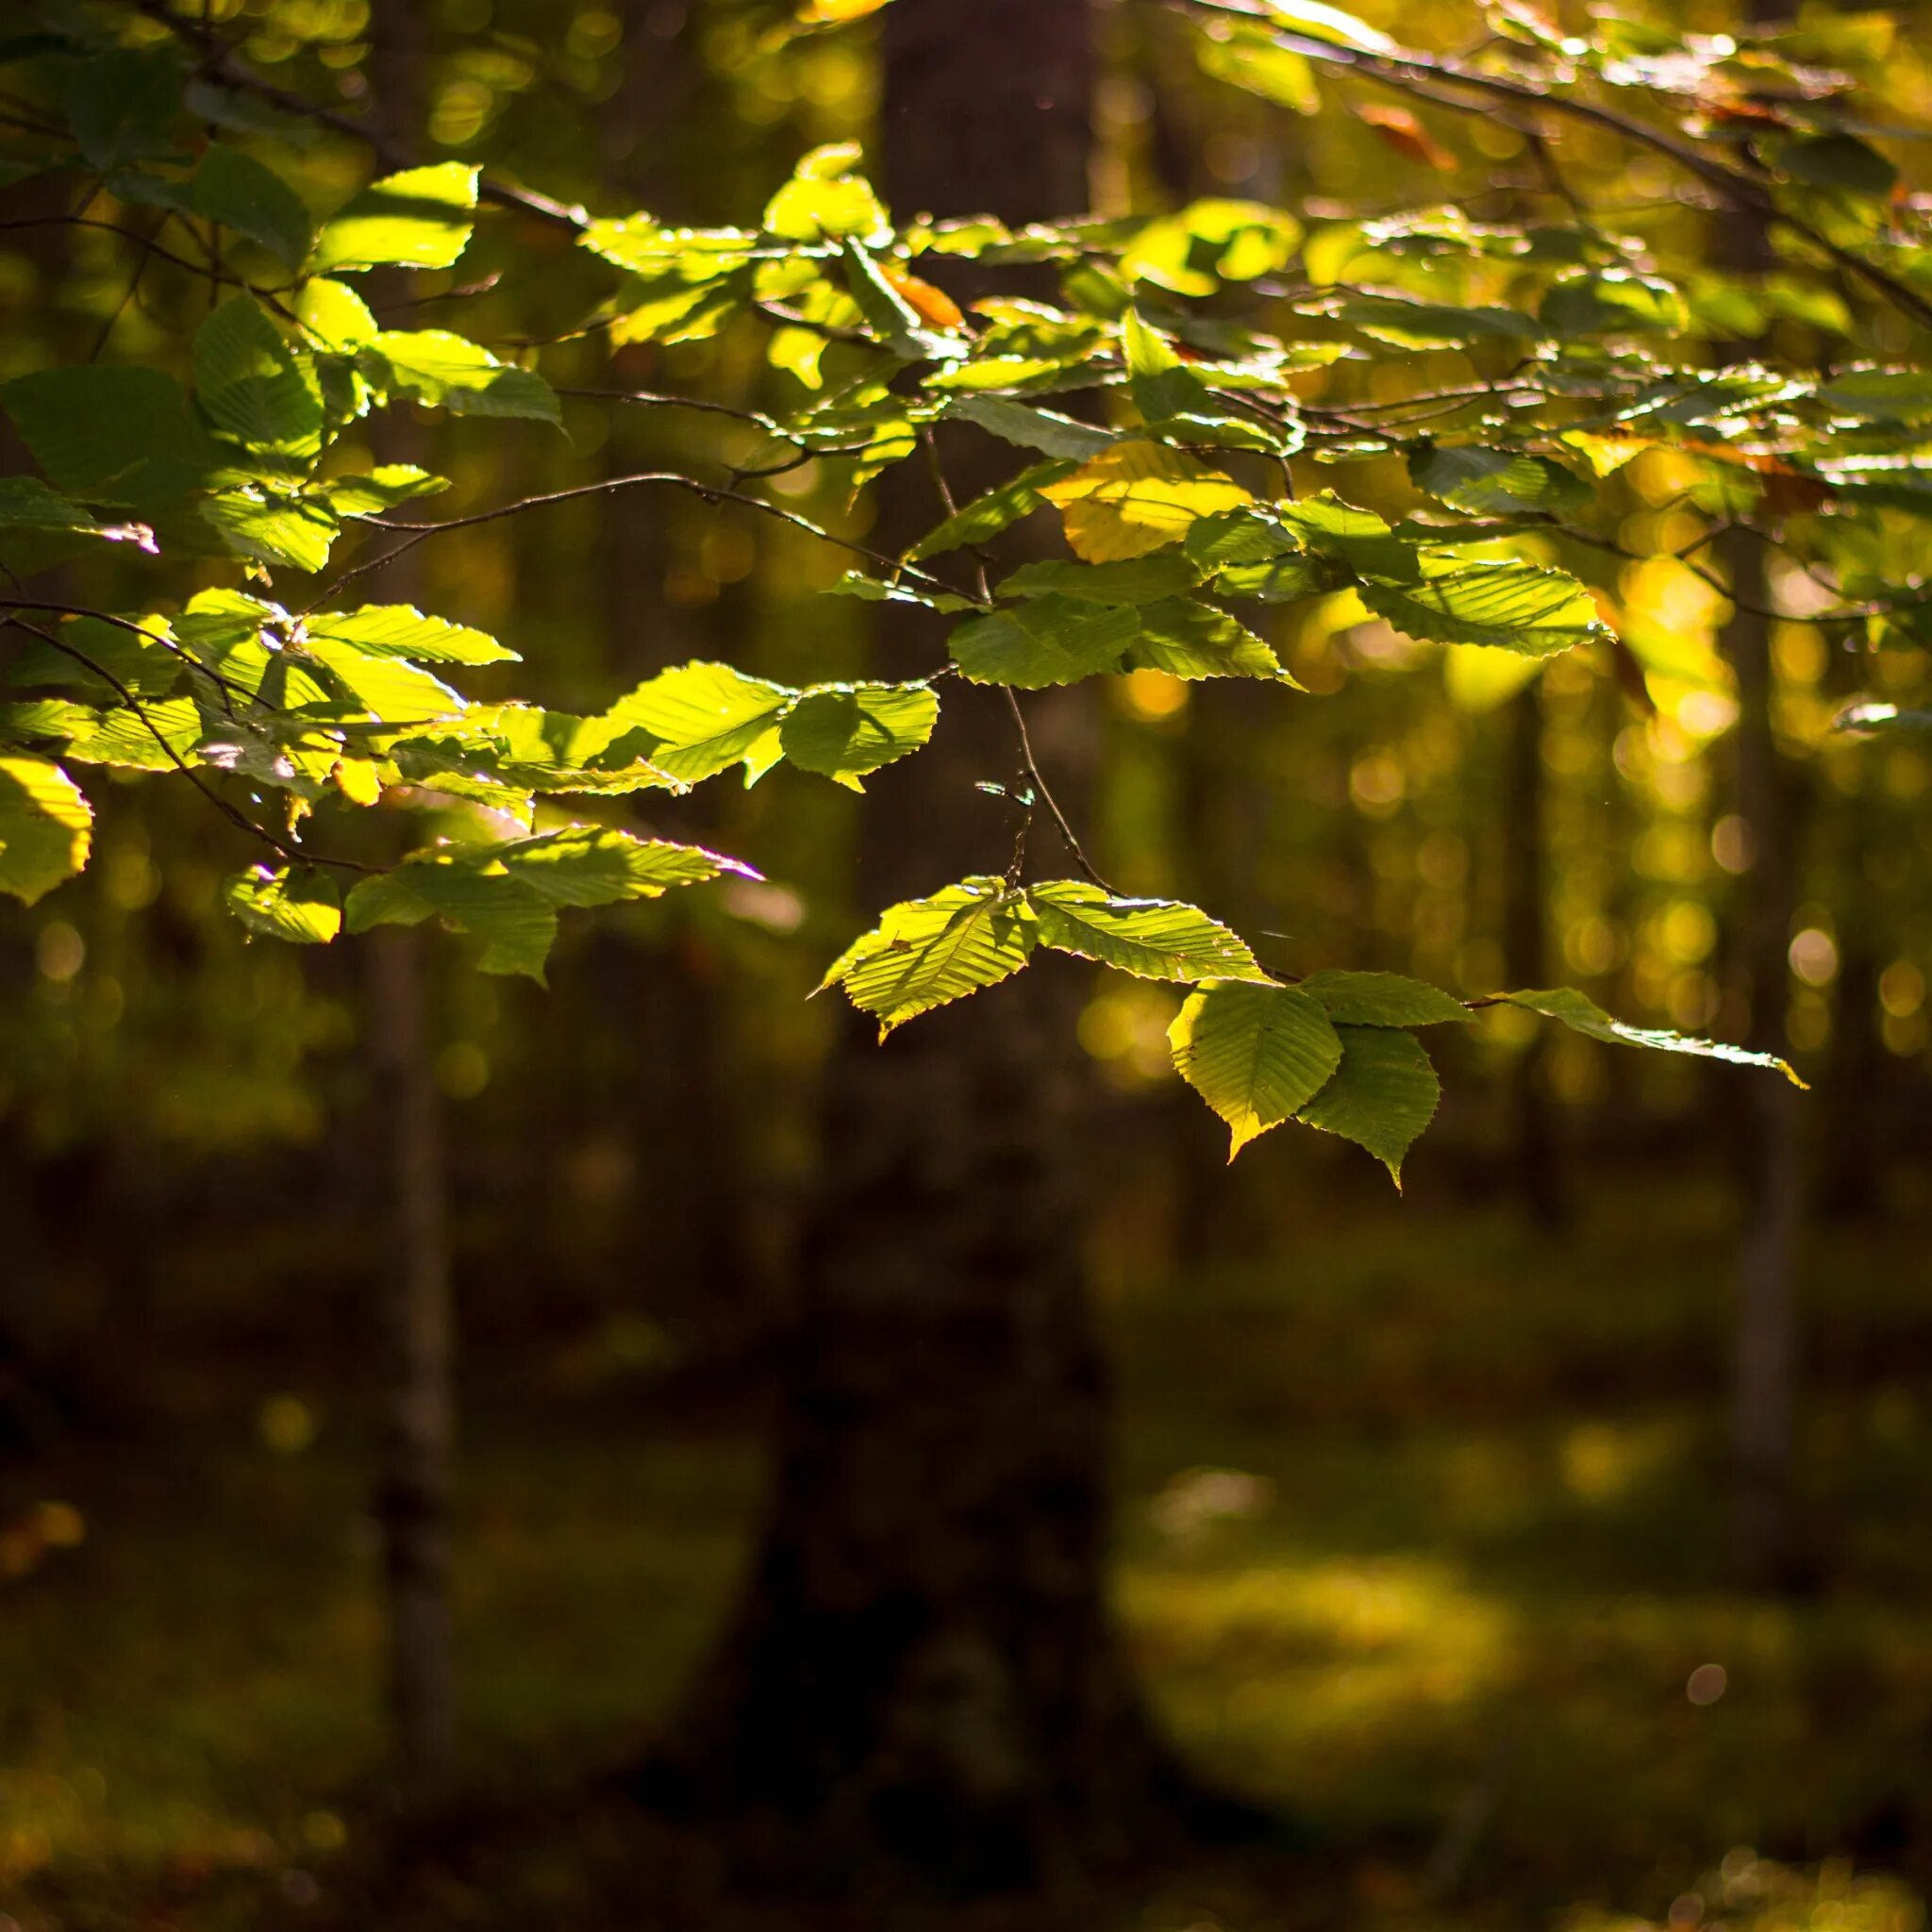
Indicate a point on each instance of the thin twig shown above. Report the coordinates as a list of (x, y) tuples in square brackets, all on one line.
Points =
[(232, 813), (709, 493)]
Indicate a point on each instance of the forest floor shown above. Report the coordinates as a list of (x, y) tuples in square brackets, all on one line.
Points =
[(1421, 1541)]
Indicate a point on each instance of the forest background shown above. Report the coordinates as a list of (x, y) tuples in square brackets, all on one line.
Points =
[(1442, 1535)]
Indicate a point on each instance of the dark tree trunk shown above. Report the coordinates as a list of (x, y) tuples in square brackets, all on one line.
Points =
[(415, 1317), (416, 1330), (925, 1665), (1534, 1159), (1766, 1369)]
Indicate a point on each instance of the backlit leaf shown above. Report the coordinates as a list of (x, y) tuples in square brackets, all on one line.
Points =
[(400, 630), (303, 905), (846, 730), (1053, 640), (699, 719), (1192, 640), (419, 218), (1584, 1015), (450, 372), (1138, 496), (1153, 939), (1495, 482), (1256, 1054), (46, 827), (1516, 607), (927, 951)]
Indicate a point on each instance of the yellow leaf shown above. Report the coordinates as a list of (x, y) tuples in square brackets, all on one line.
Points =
[(1138, 496), (832, 12), (358, 780)]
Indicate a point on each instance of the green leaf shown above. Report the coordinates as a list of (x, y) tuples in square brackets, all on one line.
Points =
[(370, 491), (1382, 1097), (1585, 1016), (824, 199), (591, 865), (927, 951), (28, 504), (1053, 640), (113, 435), (846, 730), (1497, 482), (1073, 369), (251, 386), (1043, 430), (1381, 999), (1355, 538), (236, 191), (1516, 607), (700, 719), (450, 372), (471, 891), (1138, 496), (524, 748), (304, 908), (384, 687), (986, 516), (400, 630), (1153, 939), (419, 218), (1188, 638), (1879, 395), (1276, 73), (288, 530), (160, 738), (1411, 325), (1160, 383), (1612, 301), (855, 583), (1209, 242), (1837, 160), (335, 315), (139, 662), (1250, 533), (1283, 580), (46, 827), (1256, 1054), (122, 105), (1134, 580), (886, 312)]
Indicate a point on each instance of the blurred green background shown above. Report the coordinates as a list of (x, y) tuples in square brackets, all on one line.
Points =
[(1422, 1534)]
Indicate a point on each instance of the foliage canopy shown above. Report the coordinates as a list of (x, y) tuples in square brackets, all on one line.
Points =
[(1189, 412)]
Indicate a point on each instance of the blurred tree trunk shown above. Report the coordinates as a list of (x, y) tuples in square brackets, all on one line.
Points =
[(1856, 1133), (1764, 1394), (1534, 1159), (416, 1330), (415, 1320), (924, 1666)]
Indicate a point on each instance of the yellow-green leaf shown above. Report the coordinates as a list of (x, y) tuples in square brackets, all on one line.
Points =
[(1138, 496), (46, 828), (1256, 1054)]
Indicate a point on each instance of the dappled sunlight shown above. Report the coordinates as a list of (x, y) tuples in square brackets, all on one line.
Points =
[(1274, 1671)]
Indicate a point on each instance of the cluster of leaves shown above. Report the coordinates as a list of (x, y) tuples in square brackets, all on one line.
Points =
[(1174, 438)]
